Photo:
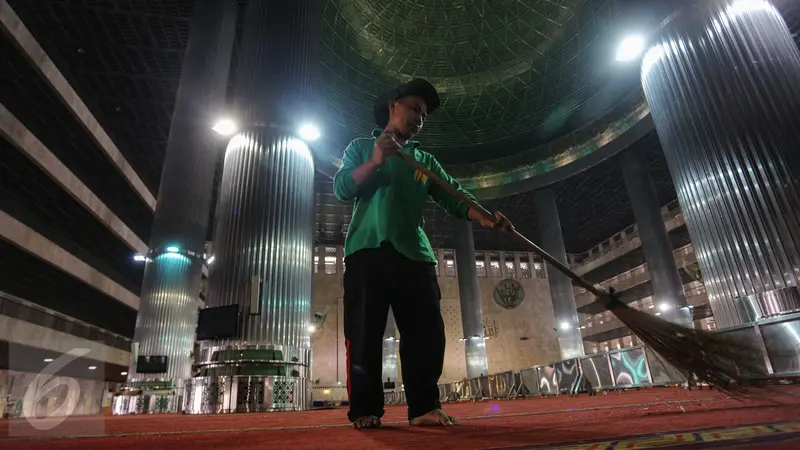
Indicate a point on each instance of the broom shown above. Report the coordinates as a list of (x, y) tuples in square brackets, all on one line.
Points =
[(713, 358)]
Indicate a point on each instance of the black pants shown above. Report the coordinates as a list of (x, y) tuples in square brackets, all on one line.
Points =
[(374, 280)]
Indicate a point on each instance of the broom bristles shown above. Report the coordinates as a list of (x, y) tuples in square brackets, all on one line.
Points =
[(714, 358)]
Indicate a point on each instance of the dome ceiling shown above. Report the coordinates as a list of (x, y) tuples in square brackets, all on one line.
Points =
[(513, 74)]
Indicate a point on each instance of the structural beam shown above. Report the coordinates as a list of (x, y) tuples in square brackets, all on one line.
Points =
[(45, 66), (26, 142), (34, 243)]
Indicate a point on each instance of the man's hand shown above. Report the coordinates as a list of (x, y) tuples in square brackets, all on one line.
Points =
[(384, 147), (500, 222)]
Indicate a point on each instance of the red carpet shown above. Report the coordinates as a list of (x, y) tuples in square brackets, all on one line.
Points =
[(623, 420)]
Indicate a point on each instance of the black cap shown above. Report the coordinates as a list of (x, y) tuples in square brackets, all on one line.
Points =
[(414, 87)]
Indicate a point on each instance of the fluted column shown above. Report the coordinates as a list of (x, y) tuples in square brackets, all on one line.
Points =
[(167, 318), (563, 297), (264, 223), (668, 295), (469, 297), (723, 84), (389, 372)]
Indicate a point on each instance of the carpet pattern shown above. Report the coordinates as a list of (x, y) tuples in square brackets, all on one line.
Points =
[(651, 418), (709, 438)]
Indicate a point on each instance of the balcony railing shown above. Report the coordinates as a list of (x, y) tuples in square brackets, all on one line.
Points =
[(668, 212)]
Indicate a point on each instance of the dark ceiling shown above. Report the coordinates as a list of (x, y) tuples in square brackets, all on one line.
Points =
[(124, 57), (510, 73)]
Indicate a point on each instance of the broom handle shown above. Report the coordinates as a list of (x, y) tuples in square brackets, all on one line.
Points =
[(596, 290)]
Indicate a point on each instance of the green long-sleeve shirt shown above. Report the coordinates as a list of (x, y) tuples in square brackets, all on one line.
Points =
[(388, 207)]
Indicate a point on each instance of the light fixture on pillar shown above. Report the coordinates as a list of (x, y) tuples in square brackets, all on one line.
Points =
[(309, 132), (225, 127), (630, 48)]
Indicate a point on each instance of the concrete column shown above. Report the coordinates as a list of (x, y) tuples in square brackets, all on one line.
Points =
[(167, 318), (668, 295), (723, 82), (563, 297), (468, 294)]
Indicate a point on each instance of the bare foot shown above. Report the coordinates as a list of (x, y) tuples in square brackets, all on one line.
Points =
[(366, 422), (437, 417)]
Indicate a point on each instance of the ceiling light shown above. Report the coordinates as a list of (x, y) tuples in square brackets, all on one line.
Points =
[(630, 48), (172, 249), (225, 127), (92, 367), (309, 132), (123, 373), (565, 325), (139, 258), (48, 360), (209, 261), (312, 328), (664, 307)]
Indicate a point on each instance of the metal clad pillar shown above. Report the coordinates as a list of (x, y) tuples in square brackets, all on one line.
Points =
[(563, 297), (264, 222), (723, 84), (469, 297), (668, 292), (389, 372), (170, 292)]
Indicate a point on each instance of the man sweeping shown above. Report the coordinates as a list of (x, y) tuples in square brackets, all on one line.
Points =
[(389, 260)]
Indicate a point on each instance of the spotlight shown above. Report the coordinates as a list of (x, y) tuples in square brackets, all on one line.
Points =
[(172, 249), (565, 326), (630, 48), (309, 132), (139, 258), (225, 127)]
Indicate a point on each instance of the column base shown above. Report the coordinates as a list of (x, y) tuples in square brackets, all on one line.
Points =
[(246, 394), (249, 378), (147, 397)]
